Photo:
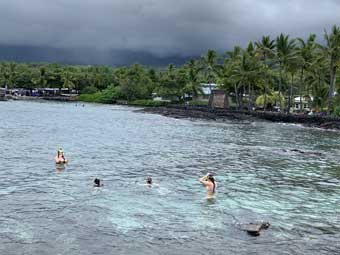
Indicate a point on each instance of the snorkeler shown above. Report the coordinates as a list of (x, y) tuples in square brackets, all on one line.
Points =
[(209, 182), (97, 183), (148, 181), (60, 158)]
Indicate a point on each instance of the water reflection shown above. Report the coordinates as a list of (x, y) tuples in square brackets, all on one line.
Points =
[(60, 167)]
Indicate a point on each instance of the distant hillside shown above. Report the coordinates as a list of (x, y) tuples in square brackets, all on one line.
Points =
[(85, 56)]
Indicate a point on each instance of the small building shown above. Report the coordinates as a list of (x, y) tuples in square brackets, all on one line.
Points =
[(218, 99), (304, 101), (207, 89)]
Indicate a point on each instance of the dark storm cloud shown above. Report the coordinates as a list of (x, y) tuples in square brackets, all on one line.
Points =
[(163, 27)]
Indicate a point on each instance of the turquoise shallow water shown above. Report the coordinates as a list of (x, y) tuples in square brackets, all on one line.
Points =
[(45, 210)]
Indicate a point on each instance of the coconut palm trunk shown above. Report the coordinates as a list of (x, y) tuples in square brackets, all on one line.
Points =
[(236, 96), (280, 88), (331, 85), (290, 94), (249, 97), (265, 98), (300, 89)]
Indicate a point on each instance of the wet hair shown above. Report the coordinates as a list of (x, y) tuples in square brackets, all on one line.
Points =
[(148, 180), (97, 182), (211, 178)]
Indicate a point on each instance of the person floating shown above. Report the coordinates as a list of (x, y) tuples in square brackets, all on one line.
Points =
[(97, 183), (148, 181), (209, 183), (60, 158)]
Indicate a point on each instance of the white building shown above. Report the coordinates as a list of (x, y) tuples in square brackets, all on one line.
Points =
[(306, 102), (207, 88)]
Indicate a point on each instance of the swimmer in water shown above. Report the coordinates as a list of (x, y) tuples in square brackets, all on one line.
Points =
[(97, 183), (60, 158), (209, 183), (148, 181)]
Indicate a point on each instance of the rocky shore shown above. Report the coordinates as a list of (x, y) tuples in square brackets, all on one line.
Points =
[(201, 112)]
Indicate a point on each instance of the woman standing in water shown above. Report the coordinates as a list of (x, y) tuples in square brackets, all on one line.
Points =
[(209, 182), (60, 158)]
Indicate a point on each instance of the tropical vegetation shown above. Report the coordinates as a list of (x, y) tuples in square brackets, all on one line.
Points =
[(266, 73)]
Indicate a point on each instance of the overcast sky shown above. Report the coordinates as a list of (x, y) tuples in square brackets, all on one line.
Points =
[(164, 27)]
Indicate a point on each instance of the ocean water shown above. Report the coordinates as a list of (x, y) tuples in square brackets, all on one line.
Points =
[(49, 210)]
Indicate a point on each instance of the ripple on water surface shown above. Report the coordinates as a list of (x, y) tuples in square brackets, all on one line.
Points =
[(57, 211)]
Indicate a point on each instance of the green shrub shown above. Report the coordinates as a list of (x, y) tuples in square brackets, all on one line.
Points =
[(198, 102), (107, 96), (336, 112), (91, 98), (89, 90), (148, 102)]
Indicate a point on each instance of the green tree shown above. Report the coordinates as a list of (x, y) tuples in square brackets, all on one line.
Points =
[(265, 48), (172, 82), (9, 74), (230, 82), (136, 84), (210, 66), (192, 86), (317, 81), (285, 51), (306, 54), (247, 72), (68, 80), (332, 53)]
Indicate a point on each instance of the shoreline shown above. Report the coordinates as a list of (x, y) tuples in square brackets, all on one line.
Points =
[(40, 98), (206, 113), (202, 112)]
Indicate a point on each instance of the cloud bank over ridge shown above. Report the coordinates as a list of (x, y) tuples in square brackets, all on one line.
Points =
[(160, 27)]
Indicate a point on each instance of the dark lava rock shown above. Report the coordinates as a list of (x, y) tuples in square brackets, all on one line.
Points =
[(201, 112), (330, 125), (254, 229)]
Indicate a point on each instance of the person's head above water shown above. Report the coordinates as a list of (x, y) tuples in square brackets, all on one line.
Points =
[(97, 182), (148, 180), (209, 175), (60, 152)]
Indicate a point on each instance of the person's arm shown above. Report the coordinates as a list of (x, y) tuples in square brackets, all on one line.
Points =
[(204, 180)]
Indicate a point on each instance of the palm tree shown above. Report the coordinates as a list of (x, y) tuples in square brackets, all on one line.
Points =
[(265, 48), (306, 54), (68, 80), (285, 50), (292, 69), (192, 86), (247, 72), (317, 81), (41, 80), (172, 82), (210, 66), (9, 74), (232, 59), (332, 52), (3, 73)]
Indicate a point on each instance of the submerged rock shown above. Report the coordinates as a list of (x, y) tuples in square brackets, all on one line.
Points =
[(310, 153), (254, 229), (330, 125)]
